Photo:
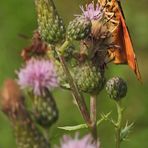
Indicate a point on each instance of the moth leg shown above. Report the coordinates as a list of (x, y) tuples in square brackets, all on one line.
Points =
[(111, 53), (110, 56)]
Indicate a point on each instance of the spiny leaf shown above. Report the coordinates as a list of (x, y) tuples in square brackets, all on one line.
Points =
[(84, 126), (125, 131), (103, 117)]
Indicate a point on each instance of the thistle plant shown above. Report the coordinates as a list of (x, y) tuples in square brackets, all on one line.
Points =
[(73, 58)]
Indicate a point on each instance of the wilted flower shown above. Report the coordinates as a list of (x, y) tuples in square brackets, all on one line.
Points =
[(37, 47), (85, 142), (37, 74), (92, 12)]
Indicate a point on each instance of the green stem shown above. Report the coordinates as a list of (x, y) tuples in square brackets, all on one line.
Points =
[(118, 124), (77, 95), (93, 115), (63, 47)]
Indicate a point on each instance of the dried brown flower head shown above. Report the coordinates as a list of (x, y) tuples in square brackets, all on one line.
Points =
[(37, 47)]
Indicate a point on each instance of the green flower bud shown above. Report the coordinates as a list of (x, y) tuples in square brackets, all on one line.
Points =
[(26, 132), (44, 109), (116, 88), (28, 136), (79, 28), (50, 24), (88, 78)]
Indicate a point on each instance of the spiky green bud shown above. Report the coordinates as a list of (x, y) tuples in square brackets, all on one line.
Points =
[(50, 25), (88, 78), (116, 88), (79, 28), (44, 109), (26, 132)]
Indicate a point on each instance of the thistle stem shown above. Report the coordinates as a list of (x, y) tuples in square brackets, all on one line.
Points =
[(77, 95), (93, 108), (118, 124), (93, 115)]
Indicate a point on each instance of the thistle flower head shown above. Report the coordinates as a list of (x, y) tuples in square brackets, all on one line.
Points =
[(37, 74), (92, 11), (85, 142)]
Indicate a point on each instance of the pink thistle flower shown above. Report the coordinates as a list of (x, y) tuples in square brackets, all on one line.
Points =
[(36, 75), (85, 142), (92, 11)]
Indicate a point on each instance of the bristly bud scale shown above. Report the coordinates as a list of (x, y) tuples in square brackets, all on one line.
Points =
[(26, 133), (116, 88), (79, 28), (50, 25)]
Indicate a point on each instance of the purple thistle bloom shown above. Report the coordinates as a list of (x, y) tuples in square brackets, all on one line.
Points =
[(92, 12), (85, 142), (37, 74)]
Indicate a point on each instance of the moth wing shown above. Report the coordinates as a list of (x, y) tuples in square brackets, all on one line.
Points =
[(128, 49), (119, 53)]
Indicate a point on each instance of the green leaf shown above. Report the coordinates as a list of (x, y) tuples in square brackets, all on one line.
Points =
[(74, 128)]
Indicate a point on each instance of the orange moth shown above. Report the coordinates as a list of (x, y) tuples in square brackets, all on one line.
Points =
[(125, 53)]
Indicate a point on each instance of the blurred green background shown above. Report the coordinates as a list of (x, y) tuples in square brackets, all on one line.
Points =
[(18, 17)]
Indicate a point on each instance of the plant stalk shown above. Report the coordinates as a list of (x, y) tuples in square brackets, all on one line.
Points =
[(118, 124), (77, 95), (93, 116)]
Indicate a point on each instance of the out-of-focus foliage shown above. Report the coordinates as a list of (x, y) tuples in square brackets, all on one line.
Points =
[(18, 17)]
